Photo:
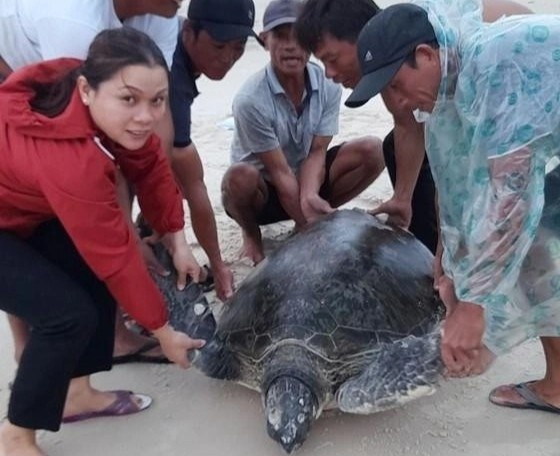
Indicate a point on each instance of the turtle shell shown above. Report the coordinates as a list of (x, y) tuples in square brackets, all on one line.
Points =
[(339, 288)]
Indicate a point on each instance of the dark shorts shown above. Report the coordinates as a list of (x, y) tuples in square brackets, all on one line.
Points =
[(273, 211)]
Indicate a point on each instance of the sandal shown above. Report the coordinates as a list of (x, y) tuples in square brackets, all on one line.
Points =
[(531, 400), (126, 403)]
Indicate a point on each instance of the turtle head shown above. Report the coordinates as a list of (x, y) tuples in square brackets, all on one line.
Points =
[(290, 408)]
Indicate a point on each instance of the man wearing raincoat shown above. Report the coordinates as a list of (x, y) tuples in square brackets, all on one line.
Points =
[(489, 95)]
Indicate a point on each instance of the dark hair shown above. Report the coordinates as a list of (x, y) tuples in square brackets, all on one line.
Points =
[(110, 51), (343, 19)]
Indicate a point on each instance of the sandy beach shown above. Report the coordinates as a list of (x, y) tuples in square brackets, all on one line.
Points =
[(196, 416)]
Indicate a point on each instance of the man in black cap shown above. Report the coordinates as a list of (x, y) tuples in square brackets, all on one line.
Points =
[(488, 95), (285, 118), (329, 29), (211, 40)]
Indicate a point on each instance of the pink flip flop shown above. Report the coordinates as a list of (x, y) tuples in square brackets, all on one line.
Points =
[(126, 403)]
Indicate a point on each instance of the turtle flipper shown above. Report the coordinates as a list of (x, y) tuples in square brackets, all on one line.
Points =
[(217, 361), (403, 371)]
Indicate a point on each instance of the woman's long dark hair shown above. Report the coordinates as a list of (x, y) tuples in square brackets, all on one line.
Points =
[(110, 51)]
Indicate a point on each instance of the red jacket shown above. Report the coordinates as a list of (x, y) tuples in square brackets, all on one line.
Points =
[(56, 167)]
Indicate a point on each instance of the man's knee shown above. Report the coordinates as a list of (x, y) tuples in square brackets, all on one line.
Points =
[(369, 154), (373, 154), (240, 180)]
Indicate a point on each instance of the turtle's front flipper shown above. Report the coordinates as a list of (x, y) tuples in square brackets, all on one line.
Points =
[(217, 361), (403, 371)]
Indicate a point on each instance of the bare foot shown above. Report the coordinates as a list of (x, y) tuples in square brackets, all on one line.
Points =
[(17, 441), (252, 250)]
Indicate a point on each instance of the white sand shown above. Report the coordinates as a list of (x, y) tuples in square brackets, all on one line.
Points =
[(194, 415)]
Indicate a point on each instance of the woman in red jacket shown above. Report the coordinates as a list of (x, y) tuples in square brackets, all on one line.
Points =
[(68, 254)]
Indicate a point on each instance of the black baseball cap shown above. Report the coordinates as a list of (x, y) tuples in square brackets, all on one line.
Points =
[(383, 45), (224, 20), (280, 12)]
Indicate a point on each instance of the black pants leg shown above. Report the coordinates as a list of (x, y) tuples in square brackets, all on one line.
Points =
[(44, 281), (424, 219)]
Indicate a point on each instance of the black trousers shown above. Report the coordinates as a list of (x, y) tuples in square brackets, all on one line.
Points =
[(424, 216), (71, 314)]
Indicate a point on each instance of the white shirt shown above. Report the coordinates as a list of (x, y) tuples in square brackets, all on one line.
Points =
[(35, 30)]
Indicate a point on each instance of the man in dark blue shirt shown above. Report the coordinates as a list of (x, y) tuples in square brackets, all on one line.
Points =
[(211, 40)]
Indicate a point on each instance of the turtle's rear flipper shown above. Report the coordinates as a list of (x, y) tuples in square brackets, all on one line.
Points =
[(403, 371)]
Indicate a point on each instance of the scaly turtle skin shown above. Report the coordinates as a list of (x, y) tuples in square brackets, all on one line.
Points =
[(188, 309), (342, 312)]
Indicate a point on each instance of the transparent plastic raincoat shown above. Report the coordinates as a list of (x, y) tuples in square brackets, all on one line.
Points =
[(492, 141)]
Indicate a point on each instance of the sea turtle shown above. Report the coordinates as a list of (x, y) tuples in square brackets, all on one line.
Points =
[(343, 312)]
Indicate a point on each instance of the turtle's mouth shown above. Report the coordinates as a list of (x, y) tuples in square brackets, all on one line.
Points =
[(290, 409)]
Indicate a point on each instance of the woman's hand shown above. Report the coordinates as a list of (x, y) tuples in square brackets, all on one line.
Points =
[(183, 259), (175, 344)]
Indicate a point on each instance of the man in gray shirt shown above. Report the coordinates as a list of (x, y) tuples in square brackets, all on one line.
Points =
[(285, 118)]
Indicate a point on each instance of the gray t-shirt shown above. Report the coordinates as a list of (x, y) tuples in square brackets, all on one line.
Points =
[(265, 118)]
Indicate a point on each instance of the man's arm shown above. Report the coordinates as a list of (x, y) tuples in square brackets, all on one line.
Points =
[(494, 251), (311, 177), (492, 10), (409, 155), (284, 181), (189, 173), (125, 203)]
